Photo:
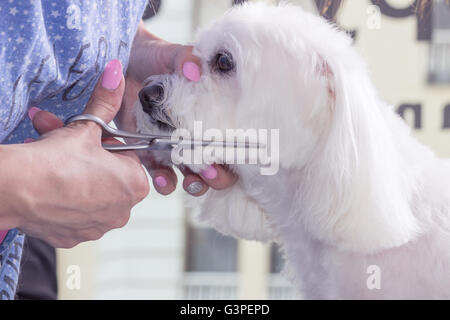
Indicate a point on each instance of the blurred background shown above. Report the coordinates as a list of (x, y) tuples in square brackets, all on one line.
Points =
[(163, 253)]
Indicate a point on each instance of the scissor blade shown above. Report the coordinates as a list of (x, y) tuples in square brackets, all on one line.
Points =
[(125, 147), (167, 144)]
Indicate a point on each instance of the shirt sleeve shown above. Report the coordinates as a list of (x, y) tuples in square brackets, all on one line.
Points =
[(10, 257)]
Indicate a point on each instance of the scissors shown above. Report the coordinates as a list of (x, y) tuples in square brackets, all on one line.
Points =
[(152, 141)]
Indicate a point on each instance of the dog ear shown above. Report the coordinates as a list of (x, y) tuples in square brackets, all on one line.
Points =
[(359, 191)]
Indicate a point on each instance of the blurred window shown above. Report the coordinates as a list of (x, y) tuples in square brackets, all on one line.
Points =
[(211, 265), (210, 251), (439, 66), (276, 259)]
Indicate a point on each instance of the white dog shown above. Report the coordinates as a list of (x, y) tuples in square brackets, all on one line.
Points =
[(355, 193)]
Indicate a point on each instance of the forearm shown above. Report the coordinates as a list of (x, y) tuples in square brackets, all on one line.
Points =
[(14, 170), (150, 55)]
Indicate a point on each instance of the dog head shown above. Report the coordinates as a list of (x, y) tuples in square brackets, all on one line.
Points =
[(282, 68), (253, 76)]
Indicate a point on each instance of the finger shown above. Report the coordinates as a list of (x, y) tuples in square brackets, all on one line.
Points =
[(192, 183), (164, 179), (107, 96), (44, 121), (217, 177)]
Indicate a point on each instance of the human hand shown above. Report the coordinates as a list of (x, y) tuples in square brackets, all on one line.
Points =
[(75, 190), (151, 56)]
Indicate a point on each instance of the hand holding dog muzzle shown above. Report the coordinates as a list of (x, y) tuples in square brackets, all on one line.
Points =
[(79, 191), (151, 57)]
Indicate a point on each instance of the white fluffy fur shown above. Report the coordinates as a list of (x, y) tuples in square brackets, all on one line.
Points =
[(354, 188)]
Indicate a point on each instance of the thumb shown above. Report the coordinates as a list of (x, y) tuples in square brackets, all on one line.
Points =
[(106, 99)]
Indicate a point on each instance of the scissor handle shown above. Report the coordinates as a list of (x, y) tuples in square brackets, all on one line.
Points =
[(110, 132)]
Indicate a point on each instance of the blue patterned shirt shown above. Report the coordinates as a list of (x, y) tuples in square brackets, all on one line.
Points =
[(52, 53)]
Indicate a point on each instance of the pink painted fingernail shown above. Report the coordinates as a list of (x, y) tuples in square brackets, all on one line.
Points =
[(112, 75), (32, 112), (28, 140), (191, 71), (210, 173), (161, 181)]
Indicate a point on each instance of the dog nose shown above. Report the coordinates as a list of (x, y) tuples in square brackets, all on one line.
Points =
[(151, 97)]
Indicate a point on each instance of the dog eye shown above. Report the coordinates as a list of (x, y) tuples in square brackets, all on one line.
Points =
[(223, 62)]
